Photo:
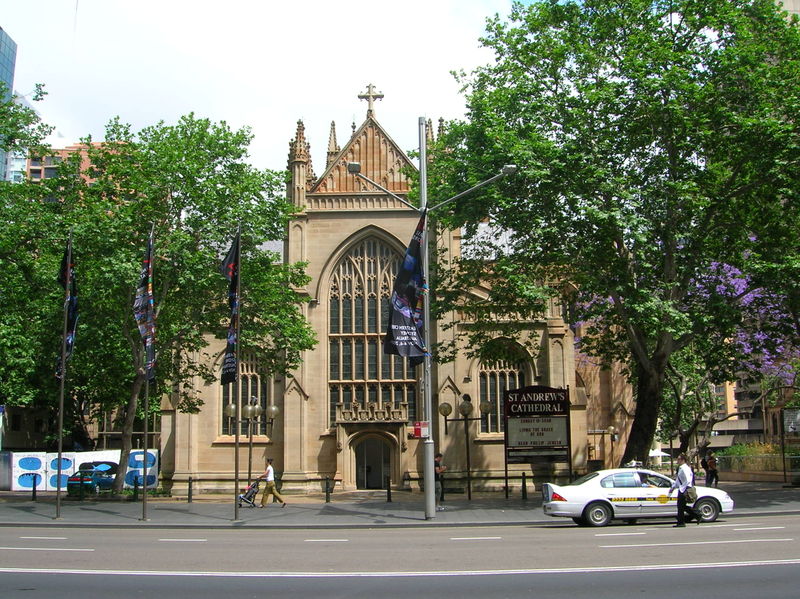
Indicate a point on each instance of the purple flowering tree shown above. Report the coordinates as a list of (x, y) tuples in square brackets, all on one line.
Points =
[(656, 141)]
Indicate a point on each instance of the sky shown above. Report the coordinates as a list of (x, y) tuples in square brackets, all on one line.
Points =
[(258, 63)]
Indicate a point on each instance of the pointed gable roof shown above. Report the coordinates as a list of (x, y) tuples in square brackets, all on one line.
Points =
[(381, 160)]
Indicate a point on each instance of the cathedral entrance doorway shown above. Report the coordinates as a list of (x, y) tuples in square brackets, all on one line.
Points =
[(373, 462)]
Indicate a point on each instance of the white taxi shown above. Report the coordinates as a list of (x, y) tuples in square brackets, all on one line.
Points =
[(626, 494)]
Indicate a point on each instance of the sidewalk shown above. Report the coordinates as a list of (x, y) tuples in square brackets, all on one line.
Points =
[(367, 509)]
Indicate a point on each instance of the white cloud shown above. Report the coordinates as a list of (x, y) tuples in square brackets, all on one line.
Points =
[(260, 63)]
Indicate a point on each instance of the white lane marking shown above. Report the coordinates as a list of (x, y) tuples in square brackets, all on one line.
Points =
[(619, 534), (475, 538), (183, 540), (401, 574), (699, 543), (326, 540), (762, 528), (43, 549), (47, 538)]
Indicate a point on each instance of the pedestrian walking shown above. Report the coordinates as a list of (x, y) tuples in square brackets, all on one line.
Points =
[(438, 471), (712, 475), (684, 483), (269, 486)]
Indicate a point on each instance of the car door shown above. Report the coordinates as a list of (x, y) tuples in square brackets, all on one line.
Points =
[(656, 500), (622, 490)]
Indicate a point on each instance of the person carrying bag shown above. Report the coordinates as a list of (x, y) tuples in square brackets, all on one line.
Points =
[(687, 494)]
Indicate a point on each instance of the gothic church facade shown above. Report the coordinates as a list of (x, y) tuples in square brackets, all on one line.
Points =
[(347, 414)]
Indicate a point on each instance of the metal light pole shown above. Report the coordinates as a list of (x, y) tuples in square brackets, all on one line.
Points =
[(612, 432), (252, 411), (465, 409), (354, 168)]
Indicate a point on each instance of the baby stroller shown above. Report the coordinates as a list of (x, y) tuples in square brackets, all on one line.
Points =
[(249, 495)]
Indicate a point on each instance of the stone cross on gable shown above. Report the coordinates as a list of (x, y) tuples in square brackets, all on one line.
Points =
[(370, 96)]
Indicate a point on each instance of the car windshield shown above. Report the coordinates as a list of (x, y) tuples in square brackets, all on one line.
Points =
[(583, 479)]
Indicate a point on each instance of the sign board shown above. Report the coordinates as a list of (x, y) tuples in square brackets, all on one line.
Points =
[(421, 429), (536, 425), (791, 421)]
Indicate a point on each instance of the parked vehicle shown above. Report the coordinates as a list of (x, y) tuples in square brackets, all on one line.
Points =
[(93, 476), (627, 494)]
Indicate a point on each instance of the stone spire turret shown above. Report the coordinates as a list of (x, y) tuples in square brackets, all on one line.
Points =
[(333, 147), (300, 166)]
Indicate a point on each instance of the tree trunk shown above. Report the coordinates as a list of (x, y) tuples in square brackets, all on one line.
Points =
[(127, 430), (649, 395)]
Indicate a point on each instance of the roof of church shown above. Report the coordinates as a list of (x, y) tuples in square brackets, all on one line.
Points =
[(381, 159)]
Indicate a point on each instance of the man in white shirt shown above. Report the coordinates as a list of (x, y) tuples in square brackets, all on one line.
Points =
[(683, 481), (269, 487)]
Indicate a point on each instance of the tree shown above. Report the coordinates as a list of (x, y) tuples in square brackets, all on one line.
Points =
[(656, 141), (192, 183), (26, 224)]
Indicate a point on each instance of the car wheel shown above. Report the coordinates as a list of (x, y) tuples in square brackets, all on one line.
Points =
[(579, 521), (597, 514), (708, 509)]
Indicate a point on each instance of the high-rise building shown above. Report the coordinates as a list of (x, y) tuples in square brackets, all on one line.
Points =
[(8, 61)]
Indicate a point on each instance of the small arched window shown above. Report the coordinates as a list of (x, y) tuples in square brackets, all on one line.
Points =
[(255, 388), (494, 378)]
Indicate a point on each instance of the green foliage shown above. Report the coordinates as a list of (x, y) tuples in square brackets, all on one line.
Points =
[(21, 129), (750, 449), (28, 252), (654, 139), (191, 182)]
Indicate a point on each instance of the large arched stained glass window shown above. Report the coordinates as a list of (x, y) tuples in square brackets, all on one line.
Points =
[(359, 372), (494, 378)]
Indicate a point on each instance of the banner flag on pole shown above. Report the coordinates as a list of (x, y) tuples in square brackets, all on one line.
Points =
[(144, 311), (404, 336), (66, 277), (230, 269)]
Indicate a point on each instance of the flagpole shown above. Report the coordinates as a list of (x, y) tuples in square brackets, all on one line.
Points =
[(236, 381), (147, 376), (67, 292), (428, 454)]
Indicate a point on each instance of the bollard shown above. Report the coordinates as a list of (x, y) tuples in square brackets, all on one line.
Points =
[(327, 490), (189, 498), (35, 484), (135, 489), (80, 488), (524, 488), (388, 490)]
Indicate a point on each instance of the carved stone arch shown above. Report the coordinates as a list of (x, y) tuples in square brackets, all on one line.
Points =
[(345, 246), (356, 438)]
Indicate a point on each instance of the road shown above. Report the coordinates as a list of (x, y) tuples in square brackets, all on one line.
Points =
[(731, 558)]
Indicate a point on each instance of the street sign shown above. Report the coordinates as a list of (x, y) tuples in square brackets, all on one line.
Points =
[(421, 428)]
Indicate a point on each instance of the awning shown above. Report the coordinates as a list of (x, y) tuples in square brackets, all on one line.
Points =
[(657, 453)]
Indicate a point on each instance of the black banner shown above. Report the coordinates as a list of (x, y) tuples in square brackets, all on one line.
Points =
[(144, 311), (230, 269), (404, 336), (66, 277)]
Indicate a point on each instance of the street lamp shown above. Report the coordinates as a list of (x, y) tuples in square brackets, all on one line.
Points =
[(250, 412), (612, 434), (354, 168), (465, 409)]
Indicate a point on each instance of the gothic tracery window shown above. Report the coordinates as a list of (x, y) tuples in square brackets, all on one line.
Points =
[(359, 372), (494, 378)]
